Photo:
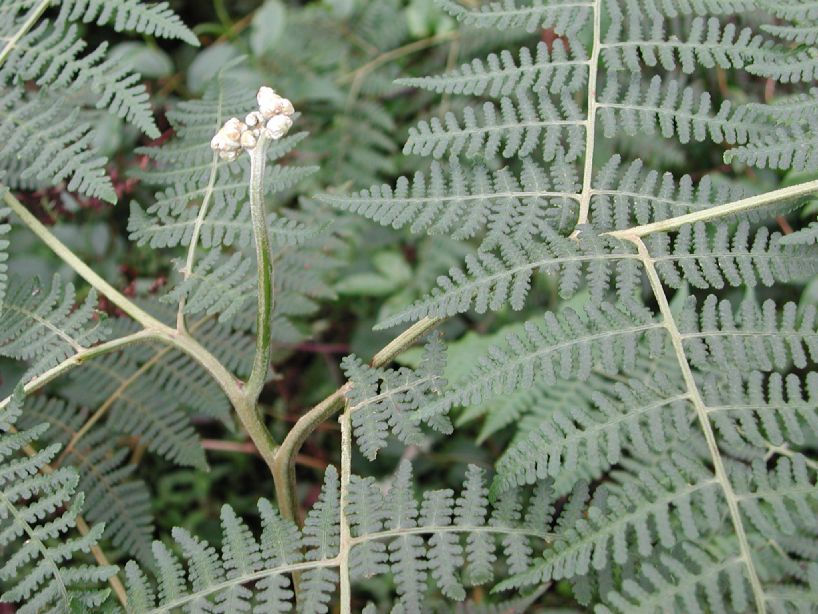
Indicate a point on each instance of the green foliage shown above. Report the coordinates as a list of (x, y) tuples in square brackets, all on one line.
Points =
[(38, 516), (640, 346)]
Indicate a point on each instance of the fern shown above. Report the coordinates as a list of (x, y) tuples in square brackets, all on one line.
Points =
[(674, 110), (389, 533), (50, 131), (113, 495), (49, 56), (566, 18), (561, 67), (54, 145), (515, 127), (670, 455), (38, 512), (41, 327), (156, 19), (210, 289), (707, 43), (385, 400)]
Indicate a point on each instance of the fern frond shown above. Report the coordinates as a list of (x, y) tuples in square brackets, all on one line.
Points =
[(640, 417), (675, 110), (778, 500), (563, 67), (513, 127), (226, 223), (567, 345), (680, 580), (626, 195), (729, 256), (154, 19), (461, 202), (493, 280), (797, 66), (788, 598), (643, 41), (795, 148), (112, 495), (50, 56), (806, 34), (565, 17), (43, 327), (793, 143), (216, 285), (764, 409), (383, 400), (451, 539), (54, 144), (38, 512), (145, 398), (678, 8), (763, 338), (661, 504)]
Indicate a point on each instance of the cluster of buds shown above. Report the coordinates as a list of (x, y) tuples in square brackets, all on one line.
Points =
[(274, 118)]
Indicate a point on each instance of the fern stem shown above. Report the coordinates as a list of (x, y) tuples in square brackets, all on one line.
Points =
[(345, 533), (590, 125), (82, 269), (229, 384), (284, 462), (704, 423), (264, 313), (79, 358), (731, 208), (33, 15), (194, 238)]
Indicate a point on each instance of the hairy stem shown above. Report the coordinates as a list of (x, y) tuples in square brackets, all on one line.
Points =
[(264, 313), (284, 461)]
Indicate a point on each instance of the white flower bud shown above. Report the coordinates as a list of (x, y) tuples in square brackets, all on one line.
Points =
[(268, 101), (248, 139), (231, 131), (229, 155), (253, 119), (278, 125), (285, 107)]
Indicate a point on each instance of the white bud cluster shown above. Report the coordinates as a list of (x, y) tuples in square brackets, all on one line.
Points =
[(274, 117)]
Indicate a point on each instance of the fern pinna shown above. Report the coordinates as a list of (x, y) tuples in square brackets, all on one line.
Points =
[(667, 420)]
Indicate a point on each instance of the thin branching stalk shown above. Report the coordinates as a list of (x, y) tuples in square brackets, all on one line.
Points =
[(284, 462)]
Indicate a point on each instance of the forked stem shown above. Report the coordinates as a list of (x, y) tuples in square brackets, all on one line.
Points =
[(284, 462)]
